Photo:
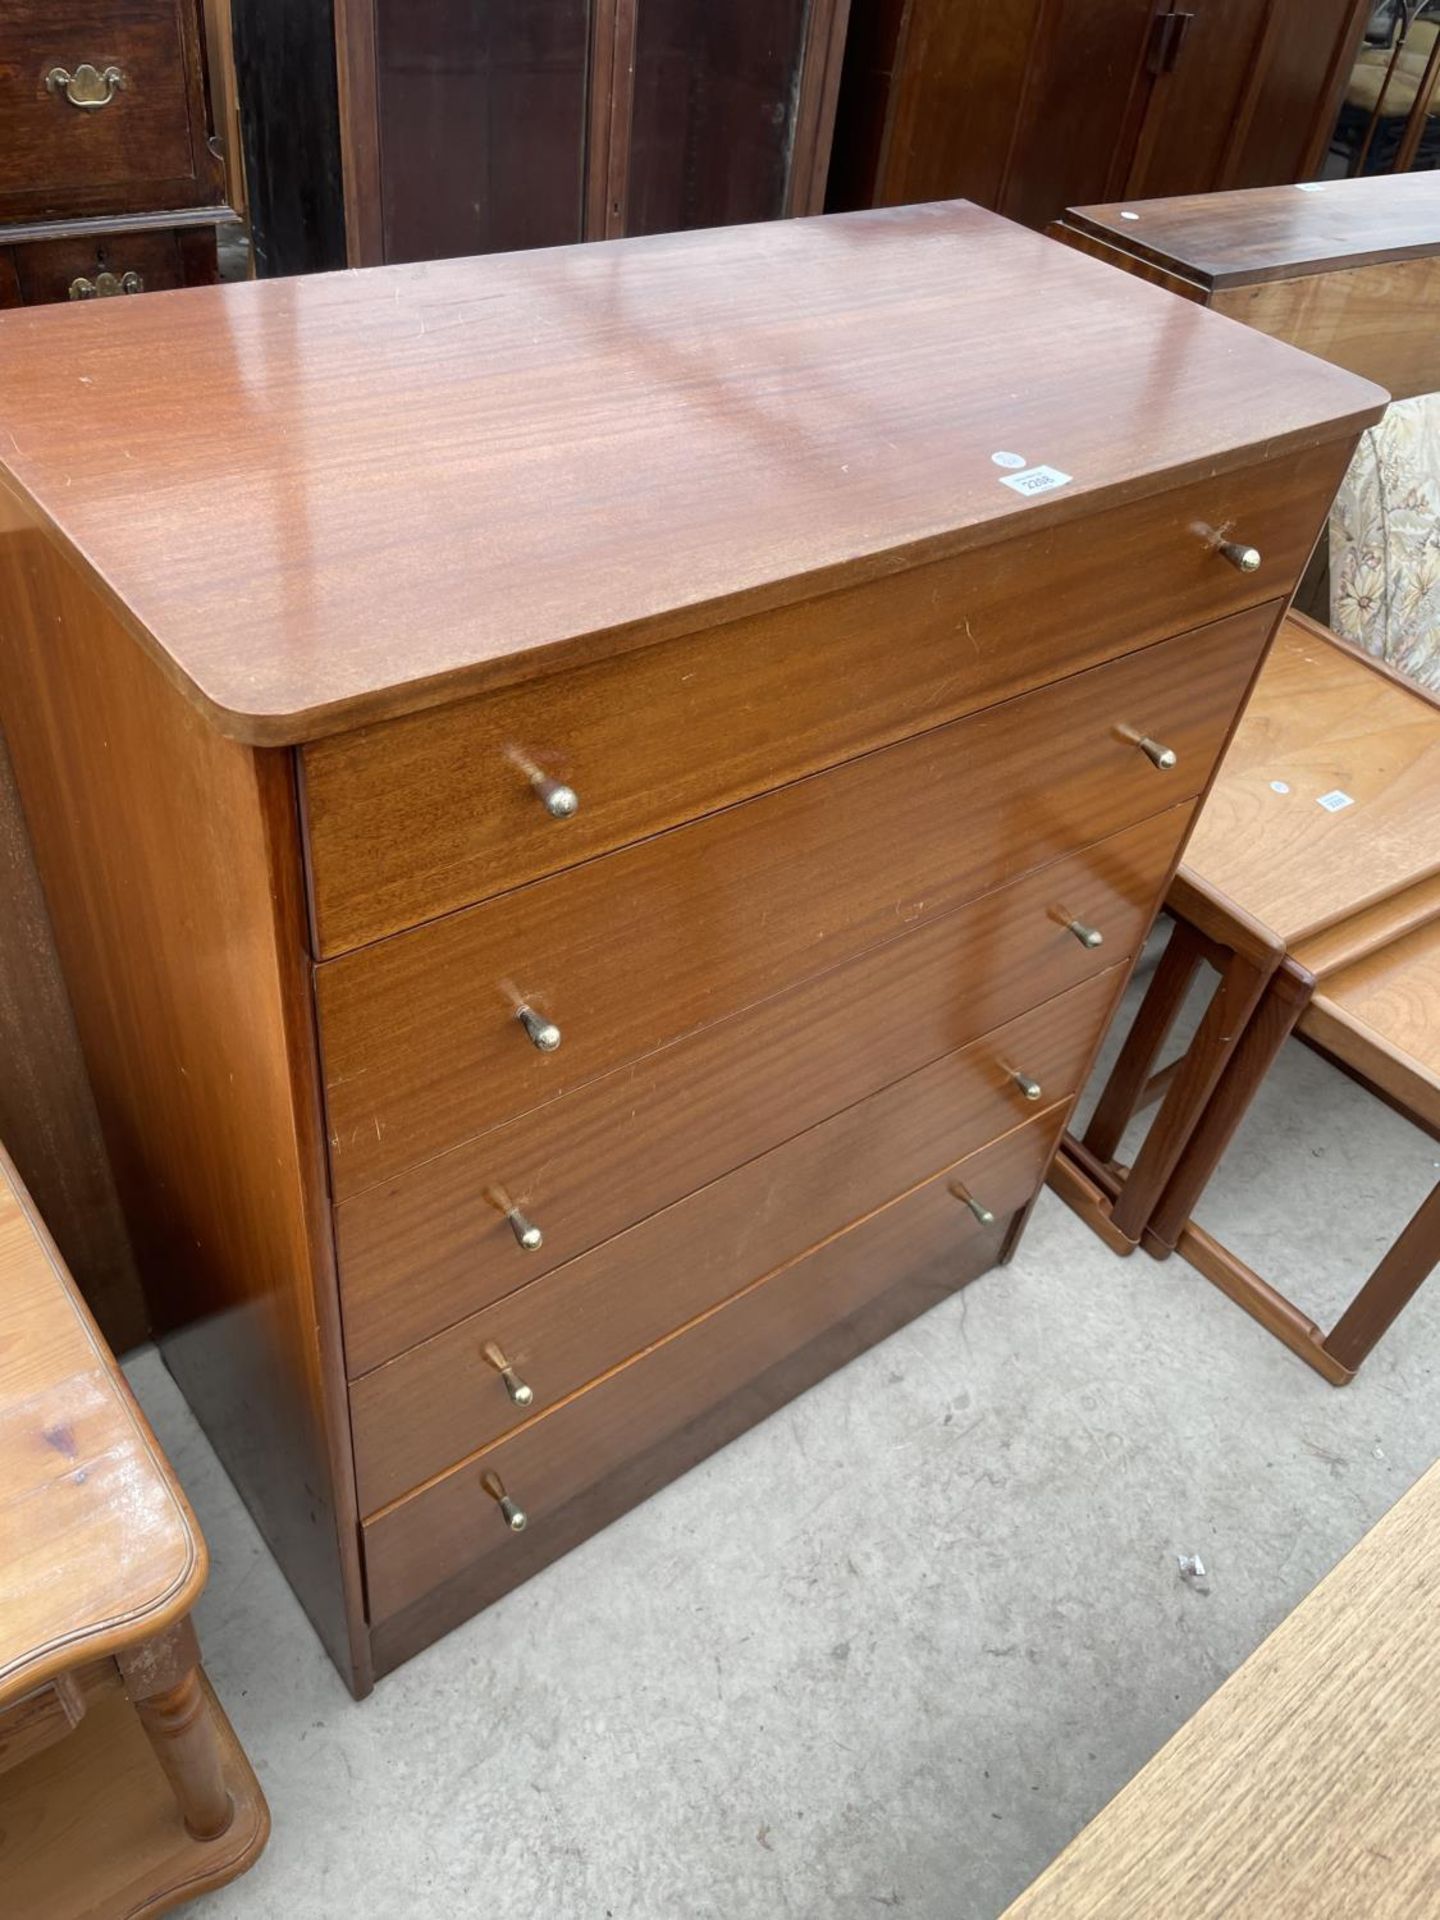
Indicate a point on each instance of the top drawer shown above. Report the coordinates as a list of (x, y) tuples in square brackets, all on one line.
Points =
[(102, 107), (411, 818)]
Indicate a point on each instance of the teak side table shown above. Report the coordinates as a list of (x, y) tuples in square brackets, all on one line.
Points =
[(1311, 885), (101, 1563)]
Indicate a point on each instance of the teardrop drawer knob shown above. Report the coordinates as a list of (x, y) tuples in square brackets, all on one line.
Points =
[(559, 801), (1088, 936), (1159, 756), (527, 1235), (521, 1394), (1244, 559), (542, 1034), (1031, 1089), (511, 1512), (981, 1212)]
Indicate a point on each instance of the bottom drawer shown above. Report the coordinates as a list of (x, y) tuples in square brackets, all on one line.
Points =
[(446, 1551), (92, 266)]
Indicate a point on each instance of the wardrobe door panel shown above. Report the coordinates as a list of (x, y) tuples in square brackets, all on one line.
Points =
[(716, 90), (482, 121)]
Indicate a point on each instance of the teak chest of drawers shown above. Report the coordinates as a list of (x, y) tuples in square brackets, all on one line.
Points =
[(596, 805)]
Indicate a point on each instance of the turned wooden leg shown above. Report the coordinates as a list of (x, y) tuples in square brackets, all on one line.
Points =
[(162, 1677)]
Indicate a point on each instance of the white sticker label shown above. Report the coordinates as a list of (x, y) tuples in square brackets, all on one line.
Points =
[(1311, 186), (1279, 786), (1333, 801), (1036, 480), (1129, 216), (1008, 459)]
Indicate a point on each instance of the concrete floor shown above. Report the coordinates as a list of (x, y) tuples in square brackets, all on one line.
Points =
[(893, 1648)]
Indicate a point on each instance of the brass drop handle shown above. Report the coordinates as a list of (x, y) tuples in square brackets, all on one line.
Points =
[(105, 286), (520, 1394), (981, 1212), (559, 801), (542, 1034), (87, 87), (1031, 1089), (514, 1515), (1244, 559)]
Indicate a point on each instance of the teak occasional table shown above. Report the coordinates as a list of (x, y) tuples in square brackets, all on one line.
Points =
[(1308, 1787), (596, 805), (123, 1790), (1311, 886)]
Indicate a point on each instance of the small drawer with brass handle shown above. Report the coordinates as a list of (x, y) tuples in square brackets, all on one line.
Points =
[(88, 88), (644, 1421)]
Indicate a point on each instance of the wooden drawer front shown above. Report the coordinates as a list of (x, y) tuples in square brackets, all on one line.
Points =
[(421, 1045), (58, 158), (578, 1467), (410, 819), (111, 266), (423, 1250), (419, 1414)]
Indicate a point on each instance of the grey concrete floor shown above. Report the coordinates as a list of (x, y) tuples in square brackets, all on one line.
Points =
[(891, 1650)]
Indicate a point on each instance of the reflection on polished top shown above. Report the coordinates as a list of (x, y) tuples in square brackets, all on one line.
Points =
[(1276, 233), (333, 499)]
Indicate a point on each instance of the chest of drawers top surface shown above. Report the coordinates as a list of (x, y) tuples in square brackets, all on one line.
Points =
[(327, 501), (1259, 234)]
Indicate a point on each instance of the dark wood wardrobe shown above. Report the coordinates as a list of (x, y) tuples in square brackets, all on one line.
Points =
[(1029, 106), (476, 126)]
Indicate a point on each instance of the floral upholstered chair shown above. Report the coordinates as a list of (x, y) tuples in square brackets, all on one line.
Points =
[(1385, 543)]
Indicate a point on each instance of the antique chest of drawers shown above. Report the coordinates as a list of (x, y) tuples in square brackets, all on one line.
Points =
[(596, 805), (109, 182)]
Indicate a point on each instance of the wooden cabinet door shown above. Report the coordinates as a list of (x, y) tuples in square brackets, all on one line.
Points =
[(713, 117), (1238, 90), (481, 108)]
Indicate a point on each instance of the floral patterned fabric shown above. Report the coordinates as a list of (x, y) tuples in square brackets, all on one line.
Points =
[(1385, 542)]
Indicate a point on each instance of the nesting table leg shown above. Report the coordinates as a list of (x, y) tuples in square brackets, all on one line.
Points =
[(162, 1677), (1390, 1287), (1255, 1053), (1242, 984)]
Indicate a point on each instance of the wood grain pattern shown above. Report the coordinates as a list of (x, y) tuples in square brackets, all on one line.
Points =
[(1373, 320), (90, 1828), (1322, 720), (97, 1540), (918, 1250), (425, 1248), (146, 149), (1380, 1017), (47, 1110), (660, 434), (1276, 233), (420, 1042), (418, 1415), (43, 270), (410, 819), (170, 860), (1304, 1789)]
